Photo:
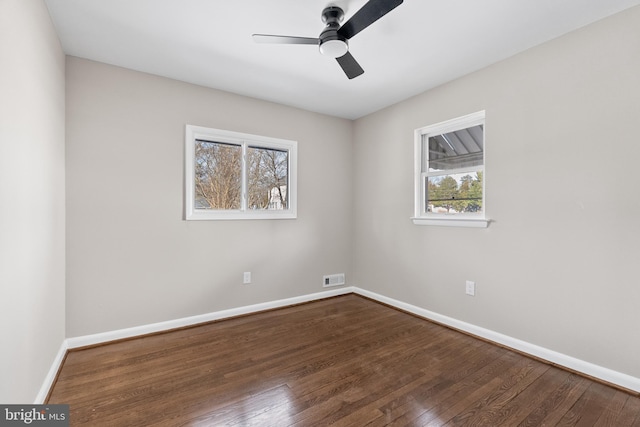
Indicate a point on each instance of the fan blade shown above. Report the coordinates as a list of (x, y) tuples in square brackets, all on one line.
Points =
[(367, 15), (270, 38), (350, 66)]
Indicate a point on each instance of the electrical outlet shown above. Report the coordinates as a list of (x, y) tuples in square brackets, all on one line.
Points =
[(246, 277), (471, 288)]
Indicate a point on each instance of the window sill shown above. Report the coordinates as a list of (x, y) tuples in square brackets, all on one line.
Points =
[(453, 222), (205, 215)]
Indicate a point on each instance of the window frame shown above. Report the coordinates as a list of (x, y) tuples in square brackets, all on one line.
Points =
[(194, 133), (421, 215)]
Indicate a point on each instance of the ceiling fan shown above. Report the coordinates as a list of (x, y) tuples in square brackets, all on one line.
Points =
[(333, 40)]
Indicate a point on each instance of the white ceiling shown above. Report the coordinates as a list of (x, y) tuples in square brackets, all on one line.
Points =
[(417, 46)]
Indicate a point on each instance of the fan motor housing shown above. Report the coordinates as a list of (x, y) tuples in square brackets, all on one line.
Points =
[(331, 42), (332, 14)]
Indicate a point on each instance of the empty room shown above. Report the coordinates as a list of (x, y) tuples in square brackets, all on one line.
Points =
[(349, 212)]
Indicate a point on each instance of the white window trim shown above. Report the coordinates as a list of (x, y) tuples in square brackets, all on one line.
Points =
[(193, 133), (421, 217)]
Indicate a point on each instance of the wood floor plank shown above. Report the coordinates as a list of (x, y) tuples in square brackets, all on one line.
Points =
[(517, 409), (427, 403), (471, 393), (344, 361), (464, 361), (322, 389), (557, 402), (486, 411), (589, 407), (630, 414), (612, 410), (393, 403)]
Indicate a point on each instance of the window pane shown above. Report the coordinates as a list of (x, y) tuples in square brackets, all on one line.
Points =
[(457, 193), (218, 177), (267, 179), (454, 150)]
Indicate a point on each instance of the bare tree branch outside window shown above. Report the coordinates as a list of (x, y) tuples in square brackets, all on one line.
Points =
[(218, 175), (267, 176)]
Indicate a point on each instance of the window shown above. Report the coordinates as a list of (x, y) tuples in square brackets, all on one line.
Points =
[(449, 173), (230, 175)]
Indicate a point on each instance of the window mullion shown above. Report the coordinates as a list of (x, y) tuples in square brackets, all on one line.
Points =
[(244, 174)]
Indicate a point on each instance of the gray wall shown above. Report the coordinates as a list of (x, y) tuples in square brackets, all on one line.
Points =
[(558, 267), (131, 258), (32, 252)]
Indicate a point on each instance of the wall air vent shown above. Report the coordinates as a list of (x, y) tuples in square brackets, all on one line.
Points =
[(333, 280)]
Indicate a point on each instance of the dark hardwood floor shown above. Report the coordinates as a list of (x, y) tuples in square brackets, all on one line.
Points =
[(344, 361)]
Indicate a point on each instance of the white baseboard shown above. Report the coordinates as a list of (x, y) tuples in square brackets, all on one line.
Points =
[(590, 369), (103, 337), (51, 375)]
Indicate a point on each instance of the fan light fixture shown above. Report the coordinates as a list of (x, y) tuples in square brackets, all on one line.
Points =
[(333, 40), (334, 48)]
